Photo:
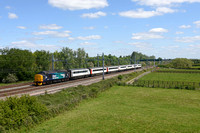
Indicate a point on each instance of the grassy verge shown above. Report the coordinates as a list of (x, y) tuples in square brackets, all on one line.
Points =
[(5, 84), (131, 109)]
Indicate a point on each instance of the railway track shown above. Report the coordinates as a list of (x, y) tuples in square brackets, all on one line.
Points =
[(28, 88)]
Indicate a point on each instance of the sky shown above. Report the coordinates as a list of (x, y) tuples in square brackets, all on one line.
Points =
[(164, 28)]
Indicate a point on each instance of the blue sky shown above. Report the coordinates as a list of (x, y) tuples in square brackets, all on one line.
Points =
[(167, 29)]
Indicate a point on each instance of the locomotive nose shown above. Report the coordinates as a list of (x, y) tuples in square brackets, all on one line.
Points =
[(38, 80)]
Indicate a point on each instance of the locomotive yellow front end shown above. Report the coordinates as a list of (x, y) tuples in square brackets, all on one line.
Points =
[(38, 80)]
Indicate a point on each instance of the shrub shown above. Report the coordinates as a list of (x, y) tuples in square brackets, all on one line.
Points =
[(24, 111), (120, 77), (11, 78)]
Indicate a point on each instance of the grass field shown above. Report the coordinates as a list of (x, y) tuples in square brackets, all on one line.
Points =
[(130, 109), (189, 77)]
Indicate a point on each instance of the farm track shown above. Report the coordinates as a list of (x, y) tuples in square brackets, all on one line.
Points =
[(53, 88)]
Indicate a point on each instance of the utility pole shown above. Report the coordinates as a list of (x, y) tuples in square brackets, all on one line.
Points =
[(53, 62), (154, 62), (103, 64), (98, 60), (147, 63), (134, 61)]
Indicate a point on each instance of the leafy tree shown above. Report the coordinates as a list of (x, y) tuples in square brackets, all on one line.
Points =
[(181, 63), (42, 60), (18, 61)]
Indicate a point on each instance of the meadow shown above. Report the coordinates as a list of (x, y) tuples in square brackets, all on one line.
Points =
[(130, 109), (158, 76)]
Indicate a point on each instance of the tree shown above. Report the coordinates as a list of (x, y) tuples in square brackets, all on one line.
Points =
[(42, 60), (181, 63), (20, 62)]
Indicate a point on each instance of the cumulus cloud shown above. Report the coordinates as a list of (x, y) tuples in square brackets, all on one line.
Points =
[(146, 36), (53, 33), (92, 37), (163, 2), (25, 44), (12, 16), (78, 4), (50, 27), (21, 27), (197, 23), (94, 15), (158, 30), (141, 13), (188, 39), (185, 26)]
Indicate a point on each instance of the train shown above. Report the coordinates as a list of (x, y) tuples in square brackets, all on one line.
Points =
[(49, 77)]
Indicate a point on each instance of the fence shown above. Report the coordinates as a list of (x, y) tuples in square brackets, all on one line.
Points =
[(167, 84)]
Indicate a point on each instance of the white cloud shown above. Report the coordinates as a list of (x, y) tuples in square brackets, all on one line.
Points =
[(106, 27), (89, 28), (25, 44), (141, 45), (146, 36), (87, 43), (158, 30), (21, 27), (8, 7), (53, 33), (50, 27), (71, 38), (185, 26), (92, 37), (163, 2), (179, 32), (78, 4), (165, 10), (94, 15), (12, 16), (197, 23), (188, 39), (140, 13)]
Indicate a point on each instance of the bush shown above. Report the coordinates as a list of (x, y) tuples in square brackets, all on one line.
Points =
[(120, 77), (11, 78), (17, 112)]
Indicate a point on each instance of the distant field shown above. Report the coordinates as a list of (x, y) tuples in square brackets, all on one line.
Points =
[(129, 110), (178, 70), (189, 77), (195, 66)]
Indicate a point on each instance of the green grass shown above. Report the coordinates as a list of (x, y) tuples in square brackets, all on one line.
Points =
[(128, 110), (5, 84), (178, 70), (195, 66), (189, 77)]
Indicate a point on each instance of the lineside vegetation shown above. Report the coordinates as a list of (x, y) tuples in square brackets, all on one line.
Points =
[(25, 112)]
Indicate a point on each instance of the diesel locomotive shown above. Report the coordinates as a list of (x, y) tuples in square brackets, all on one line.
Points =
[(48, 77)]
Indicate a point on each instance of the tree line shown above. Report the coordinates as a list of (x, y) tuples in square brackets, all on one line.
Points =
[(24, 64)]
